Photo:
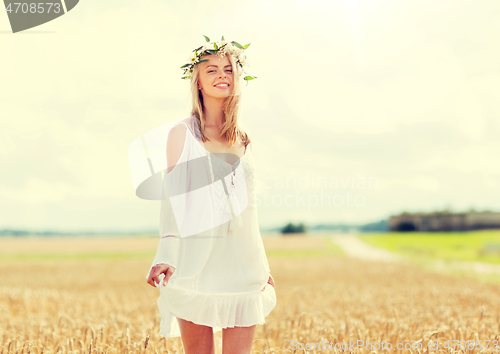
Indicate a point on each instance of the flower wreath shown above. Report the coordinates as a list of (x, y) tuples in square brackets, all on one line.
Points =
[(222, 47)]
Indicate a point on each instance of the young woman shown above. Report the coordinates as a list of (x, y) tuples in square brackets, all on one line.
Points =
[(211, 265)]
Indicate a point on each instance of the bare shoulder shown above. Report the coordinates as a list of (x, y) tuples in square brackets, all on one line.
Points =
[(179, 129), (175, 145), (176, 137)]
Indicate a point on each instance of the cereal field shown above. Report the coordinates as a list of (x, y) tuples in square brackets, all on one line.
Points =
[(90, 296)]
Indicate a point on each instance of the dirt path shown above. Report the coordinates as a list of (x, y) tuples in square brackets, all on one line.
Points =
[(355, 248)]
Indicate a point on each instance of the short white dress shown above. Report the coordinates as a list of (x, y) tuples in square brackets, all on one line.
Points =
[(220, 272)]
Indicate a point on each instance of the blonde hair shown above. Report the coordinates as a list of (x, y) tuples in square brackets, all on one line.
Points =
[(230, 128)]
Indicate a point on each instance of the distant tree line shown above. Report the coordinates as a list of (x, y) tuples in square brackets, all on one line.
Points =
[(291, 228), (379, 226)]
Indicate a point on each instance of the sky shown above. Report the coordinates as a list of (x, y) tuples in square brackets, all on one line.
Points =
[(360, 109)]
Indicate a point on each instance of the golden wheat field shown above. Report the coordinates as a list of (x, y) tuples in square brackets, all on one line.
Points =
[(96, 300)]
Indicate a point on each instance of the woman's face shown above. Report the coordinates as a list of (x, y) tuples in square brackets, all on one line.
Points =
[(216, 76)]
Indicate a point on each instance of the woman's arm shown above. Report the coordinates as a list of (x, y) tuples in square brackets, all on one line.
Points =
[(165, 260)]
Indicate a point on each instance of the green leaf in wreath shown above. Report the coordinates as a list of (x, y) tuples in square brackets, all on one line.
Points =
[(246, 46), (206, 38), (249, 77), (201, 61), (215, 46), (236, 44), (211, 51), (185, 65), (185, 77), (222, 38), (197, 49)]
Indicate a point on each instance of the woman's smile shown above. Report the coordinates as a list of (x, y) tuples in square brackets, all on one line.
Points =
[(222, 85)]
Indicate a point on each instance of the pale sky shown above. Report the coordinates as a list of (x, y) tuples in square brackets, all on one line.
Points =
[(402, 94)]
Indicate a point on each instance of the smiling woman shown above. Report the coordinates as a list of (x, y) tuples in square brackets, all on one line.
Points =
[(218, 92), (211, 266)]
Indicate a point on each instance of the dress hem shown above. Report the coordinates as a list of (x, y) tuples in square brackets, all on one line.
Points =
[(243, 310)]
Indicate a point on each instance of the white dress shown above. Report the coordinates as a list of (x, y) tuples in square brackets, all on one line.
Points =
[(219, 273)]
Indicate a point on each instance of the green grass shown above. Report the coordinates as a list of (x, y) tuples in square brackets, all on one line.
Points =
[(479, 246), (421, 248)]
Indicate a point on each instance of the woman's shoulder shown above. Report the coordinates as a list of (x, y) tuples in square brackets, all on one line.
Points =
[(178, 142), (175, 145), (177, 130), (183, 126), (188, 124)]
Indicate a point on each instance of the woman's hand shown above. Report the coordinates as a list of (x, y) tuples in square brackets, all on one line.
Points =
[(158, 269), (269, 281)]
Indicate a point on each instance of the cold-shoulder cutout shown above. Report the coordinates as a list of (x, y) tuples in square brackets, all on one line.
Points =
[(175, 145)]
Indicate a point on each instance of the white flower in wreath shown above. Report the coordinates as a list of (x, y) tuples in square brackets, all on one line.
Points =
[(243, 60), (230, 48)]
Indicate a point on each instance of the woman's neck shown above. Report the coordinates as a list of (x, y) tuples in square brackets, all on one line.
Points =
[(213, 114)]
